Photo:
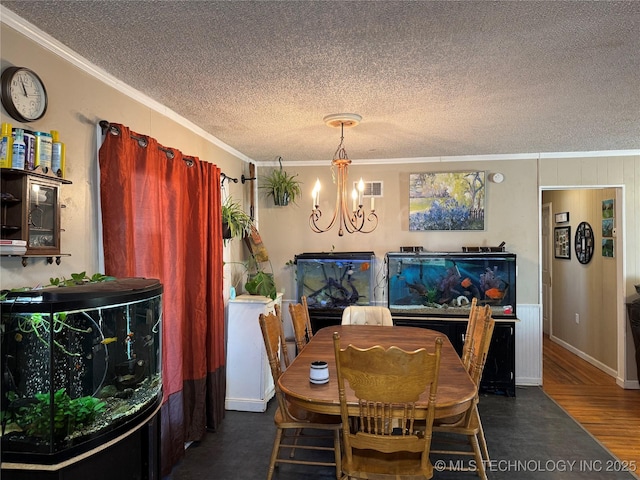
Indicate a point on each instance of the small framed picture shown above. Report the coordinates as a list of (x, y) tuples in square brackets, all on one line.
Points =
[(562, 242), (562, 217)]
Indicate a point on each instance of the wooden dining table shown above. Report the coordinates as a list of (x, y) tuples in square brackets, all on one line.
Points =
[(456, 390)]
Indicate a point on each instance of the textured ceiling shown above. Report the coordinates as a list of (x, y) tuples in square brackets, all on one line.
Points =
[(429, 78)]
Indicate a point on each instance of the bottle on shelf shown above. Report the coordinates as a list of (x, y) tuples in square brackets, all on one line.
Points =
[(6, 146), (43, 151), (30, 151), (57, 154), (18, 150)]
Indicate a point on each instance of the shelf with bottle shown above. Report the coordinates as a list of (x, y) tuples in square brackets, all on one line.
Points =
[(32, 151)]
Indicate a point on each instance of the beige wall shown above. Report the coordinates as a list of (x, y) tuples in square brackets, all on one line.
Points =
[(511, 216)]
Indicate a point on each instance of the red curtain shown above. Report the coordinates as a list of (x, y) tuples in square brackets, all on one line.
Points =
[(161, 218)]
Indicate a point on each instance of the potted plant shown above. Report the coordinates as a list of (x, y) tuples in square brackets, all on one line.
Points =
[(258, 281), (284, 188), (235, 222)]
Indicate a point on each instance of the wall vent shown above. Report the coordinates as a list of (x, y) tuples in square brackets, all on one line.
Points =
[(371, 189)]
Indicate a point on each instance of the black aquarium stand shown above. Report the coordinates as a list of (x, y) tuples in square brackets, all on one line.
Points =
[(499, 371), (135, 456)]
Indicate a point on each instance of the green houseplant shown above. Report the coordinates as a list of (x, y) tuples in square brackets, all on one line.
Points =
[(258, 281), (284, 188), (235, 222)]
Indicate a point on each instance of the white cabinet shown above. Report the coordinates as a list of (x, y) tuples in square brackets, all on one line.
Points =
[(249, 381)]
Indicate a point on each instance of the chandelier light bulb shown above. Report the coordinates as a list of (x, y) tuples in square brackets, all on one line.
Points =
[(316, 193)]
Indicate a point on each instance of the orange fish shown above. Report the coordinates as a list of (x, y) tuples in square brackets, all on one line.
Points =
[(494, 294), (466, 283), (364, 267)]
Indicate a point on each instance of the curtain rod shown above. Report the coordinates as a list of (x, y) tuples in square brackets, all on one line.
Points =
[(224, 177), (105, 125)]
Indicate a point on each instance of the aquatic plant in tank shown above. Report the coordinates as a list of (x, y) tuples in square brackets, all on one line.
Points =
[(444, 284), (335, 280), (80, 363)]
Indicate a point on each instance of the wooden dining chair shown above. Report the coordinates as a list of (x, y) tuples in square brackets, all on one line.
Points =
[(301, 322), (387, 383), (293, 423), (471, 322), (286, 360), (366, 315), (469, 425)]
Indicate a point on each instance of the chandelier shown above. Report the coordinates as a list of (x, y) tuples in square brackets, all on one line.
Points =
[(356, 219)]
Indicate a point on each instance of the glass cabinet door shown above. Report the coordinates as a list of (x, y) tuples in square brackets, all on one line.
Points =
[(43, 216)]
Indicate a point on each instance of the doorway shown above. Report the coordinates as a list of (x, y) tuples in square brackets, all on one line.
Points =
[(581, 305)]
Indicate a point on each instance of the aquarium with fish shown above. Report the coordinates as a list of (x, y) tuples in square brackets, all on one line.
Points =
[(333, 281), (81, 365), (445, 283)]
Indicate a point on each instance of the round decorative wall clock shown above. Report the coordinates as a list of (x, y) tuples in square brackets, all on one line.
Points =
[(23, 94), (584, 242)]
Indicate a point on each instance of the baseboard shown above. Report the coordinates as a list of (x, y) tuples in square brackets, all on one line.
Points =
[(528, 382), (587, 358), (249, 404), (629, 384)]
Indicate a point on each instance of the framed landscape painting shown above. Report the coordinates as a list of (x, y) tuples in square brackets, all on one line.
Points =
[(446, 201)]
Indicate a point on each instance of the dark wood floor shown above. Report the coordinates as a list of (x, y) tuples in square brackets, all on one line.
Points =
[(610, 413)]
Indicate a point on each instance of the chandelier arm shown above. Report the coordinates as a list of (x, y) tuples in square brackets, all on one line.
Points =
[(316, 214)]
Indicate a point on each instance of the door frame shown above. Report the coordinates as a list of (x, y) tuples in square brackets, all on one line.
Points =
[(621, 377), (548, 307)]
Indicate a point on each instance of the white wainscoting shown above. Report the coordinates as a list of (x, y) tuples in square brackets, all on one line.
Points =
[(529, 345)]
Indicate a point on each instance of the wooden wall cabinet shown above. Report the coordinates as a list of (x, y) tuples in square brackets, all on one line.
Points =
[(31, 212)]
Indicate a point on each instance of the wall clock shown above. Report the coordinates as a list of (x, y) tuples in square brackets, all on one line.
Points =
[(23, 94), (584, 242)]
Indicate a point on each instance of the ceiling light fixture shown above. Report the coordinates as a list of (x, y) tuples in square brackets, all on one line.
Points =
[(350, 220)]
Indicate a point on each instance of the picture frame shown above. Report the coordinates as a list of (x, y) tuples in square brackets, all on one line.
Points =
[(584, 242), (447, 201), (562, 242), (607, 227), (562, 217), (608, 247), (608, 208)]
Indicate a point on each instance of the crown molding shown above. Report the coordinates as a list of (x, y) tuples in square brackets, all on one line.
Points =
[(49, 43)]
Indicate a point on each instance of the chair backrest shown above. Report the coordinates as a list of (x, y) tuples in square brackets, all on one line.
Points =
[(301, 322), (388, 383), (480, 339), (274, 343), (366, 315), (473, 315)]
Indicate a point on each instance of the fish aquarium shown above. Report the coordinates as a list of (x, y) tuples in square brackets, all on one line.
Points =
[(81, 365), (444, 284), (333, 281)]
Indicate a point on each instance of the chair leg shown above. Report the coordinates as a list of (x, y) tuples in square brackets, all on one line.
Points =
[(481, 438), (473, 440), (274, 453), (297, 434), (338, 453)]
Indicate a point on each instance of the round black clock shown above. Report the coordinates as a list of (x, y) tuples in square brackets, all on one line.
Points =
[(584, 242), (23, 94)]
